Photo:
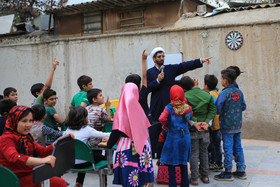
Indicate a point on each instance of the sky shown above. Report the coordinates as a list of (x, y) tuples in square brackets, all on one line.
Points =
[(71, 2)]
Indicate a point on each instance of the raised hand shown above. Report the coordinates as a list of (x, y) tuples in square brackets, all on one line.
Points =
[(144, 55), (55, 63), (107, 103)]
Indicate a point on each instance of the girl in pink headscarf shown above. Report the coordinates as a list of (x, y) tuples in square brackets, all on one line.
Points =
[(133, 163)]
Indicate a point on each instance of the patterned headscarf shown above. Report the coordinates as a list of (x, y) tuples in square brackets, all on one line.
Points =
[(11, 127), (178, 101)]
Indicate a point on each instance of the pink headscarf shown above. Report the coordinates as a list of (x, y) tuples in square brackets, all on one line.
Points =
[(130, 117)]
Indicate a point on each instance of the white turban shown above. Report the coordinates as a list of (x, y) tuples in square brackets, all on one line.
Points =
[(155, 50)]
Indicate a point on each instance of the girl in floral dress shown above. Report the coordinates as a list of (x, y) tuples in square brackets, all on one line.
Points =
[(133, 163)]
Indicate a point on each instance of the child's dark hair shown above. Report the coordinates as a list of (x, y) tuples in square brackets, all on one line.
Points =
[(36, 88), (6, 105), (229, 75), (48, 93), (39, 112), (83, 80), (211, 81), (186, 83), (76, 118), (25, 113), (92, 94), (134, 78), (8, 90), (236, 69)]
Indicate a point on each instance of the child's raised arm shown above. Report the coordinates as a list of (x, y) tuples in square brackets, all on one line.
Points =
[(144, 68), (107, 106), (48, 83)]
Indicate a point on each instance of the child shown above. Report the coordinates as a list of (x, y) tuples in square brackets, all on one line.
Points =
[(133, 162), (96, 114), (11, 93), (5, 106), (80, 99), (215, 150), (177, 147), (52, 120), (204, 111), (230, 104), (17, 147), (38, 89), (237, 71), (39, 130), (77, 125)]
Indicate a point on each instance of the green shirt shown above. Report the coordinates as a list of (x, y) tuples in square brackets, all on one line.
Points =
[(40, 100), (203, 107), (50, 120), (79, 98)]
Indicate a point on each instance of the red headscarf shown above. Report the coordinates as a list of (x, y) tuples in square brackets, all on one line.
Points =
[(130, 117), (11, 127), (178, 101)]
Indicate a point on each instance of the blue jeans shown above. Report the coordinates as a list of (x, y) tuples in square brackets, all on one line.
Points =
[(232, 144), (184, 176), (215, 148)]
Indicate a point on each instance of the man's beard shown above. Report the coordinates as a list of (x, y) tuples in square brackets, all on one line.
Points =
[(159, 62)]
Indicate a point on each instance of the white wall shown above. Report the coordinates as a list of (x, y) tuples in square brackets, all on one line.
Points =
[(109, 58)]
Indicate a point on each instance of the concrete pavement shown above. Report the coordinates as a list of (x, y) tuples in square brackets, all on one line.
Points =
[(262, 159)]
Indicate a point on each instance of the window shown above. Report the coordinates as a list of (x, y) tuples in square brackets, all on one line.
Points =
[(92, 23), (132, 18)]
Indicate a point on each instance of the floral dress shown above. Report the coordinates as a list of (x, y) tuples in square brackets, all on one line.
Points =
[(132, 169)]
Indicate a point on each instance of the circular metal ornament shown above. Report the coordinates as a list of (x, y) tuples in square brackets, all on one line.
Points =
[(234, 40)]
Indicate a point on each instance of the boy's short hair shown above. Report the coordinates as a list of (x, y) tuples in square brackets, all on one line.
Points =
[(236, 69), (76, 118), (6, 105), (39, 112), (8, 90), (229, 75), (134, 78), (36, 88), (186, 83), (83, 80), (48, 93), (92, 94), (211, 81)]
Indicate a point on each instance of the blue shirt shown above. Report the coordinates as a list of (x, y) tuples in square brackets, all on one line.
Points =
[(230, 104), (160, 91)]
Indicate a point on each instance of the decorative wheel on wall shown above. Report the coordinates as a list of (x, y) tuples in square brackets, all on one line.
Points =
[(234, 40)]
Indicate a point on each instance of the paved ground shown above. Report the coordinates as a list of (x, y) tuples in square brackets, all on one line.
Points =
[(263, 168)]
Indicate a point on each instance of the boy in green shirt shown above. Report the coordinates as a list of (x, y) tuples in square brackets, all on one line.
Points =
[(204, 111), (53, 120), (80, 99)]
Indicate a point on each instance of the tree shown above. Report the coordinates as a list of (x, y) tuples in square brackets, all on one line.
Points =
[(28, 9)]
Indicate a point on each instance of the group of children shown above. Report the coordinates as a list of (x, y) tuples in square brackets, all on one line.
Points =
[(193, 122), (210, 115)]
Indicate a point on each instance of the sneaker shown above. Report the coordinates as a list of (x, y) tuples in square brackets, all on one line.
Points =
[(224, 176), (240, 175), (217, 168)]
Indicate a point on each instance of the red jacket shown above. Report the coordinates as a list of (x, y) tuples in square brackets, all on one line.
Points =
[(15, 161)]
